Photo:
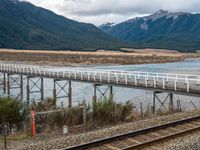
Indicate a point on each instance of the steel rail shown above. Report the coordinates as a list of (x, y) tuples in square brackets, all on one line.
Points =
[(162, 138), (101, 142)]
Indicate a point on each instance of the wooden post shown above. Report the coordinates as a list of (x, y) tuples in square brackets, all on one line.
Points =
[(21, 86), (84, 114), (28, 90), (42, 89), (54, 89), (180, 105), (4, 83), (8, 84), (95, 95), (70, 94), (154, 103), (111, 92), (177, 105), (141, 111), (171, 103), (62, 105), (94, 103), (5, 132)]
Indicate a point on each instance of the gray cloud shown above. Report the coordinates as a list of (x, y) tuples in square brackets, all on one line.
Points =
[(101, 11)]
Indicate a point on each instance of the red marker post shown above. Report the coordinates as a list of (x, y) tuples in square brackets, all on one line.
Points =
[(33, 124)]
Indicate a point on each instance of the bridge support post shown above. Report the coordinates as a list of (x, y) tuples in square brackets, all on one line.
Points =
[(111, 92), (14, 82), (27, 90), (8, 84), (33, 86), (162, 102), (95, 94), (70, 94), (54, 90), (21, 86), (106, 94), (42, 88), (171, 102), (65, 88), (3, 82), (154, 103)]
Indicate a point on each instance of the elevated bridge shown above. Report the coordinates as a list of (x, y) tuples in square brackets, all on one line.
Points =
[(183, 84)]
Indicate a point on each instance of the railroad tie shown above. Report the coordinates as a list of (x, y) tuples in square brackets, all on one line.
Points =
[(190, 125), (111, 147), (134, 140), (156, 134), (196, 123), (173, 129)]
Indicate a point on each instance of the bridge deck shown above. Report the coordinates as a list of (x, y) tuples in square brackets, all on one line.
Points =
[(171, 83)]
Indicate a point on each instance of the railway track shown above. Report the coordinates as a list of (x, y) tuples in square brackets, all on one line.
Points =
[(144, 137)]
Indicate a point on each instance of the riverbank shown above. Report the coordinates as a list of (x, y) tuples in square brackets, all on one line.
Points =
[(71, 58)]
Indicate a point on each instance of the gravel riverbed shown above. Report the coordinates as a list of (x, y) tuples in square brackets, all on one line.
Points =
[(66, 141)]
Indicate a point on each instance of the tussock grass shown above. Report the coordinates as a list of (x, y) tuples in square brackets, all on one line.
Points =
[(104, 112)]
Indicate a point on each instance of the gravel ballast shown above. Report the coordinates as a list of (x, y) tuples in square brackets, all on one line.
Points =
[(66, 141), (186, 142)]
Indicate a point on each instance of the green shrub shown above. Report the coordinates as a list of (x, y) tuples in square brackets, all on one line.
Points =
[(45, 105), (108, 111), (104, 112), (12, 111)]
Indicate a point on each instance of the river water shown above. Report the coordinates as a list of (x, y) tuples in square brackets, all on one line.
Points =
[(84, 91)]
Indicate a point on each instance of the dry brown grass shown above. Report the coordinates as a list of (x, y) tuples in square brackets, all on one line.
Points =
[(142, 52), (67, 58)]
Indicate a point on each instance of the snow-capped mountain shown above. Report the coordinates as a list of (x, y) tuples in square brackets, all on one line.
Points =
[(162, 29), (106, 26)]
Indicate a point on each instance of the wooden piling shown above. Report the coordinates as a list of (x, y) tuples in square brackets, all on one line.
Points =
[(84, 114), (154, 103), (54, 89), (28, 90), (171, 102), (141, 111), (42, 89), (4, 83), (21, 85), (8, 84), (70, 94), (95, 94), (111, 92)]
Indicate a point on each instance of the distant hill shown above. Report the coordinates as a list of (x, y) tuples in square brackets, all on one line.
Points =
[(25, 26), (163, 29)]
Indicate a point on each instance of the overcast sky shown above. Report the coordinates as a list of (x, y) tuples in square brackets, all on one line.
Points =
[(103, 11)]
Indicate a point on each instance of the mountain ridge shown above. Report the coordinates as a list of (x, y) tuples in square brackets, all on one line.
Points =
[(163, 29), (26, 26)]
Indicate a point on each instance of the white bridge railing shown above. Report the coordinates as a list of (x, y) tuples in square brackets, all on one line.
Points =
[(106, 76)]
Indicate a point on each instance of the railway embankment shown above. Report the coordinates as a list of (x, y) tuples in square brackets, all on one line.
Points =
[(66, 141)]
